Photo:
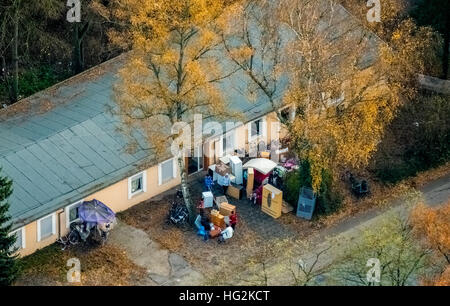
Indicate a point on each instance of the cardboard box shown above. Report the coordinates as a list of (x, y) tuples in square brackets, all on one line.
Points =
[(234, 191), (226, 209), (222, 169), (272, 201)]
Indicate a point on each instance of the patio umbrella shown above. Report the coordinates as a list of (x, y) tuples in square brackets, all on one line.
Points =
[(96, 212)]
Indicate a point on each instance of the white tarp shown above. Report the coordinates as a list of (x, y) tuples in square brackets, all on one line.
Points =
[(263, 165)]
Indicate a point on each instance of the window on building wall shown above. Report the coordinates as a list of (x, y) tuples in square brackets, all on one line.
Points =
[(137, 184), (166, 171), (46, 227), (20, 239), (72, 214), (256, 128), (228, 142)]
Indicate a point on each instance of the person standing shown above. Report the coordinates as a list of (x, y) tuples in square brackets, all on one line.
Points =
[(225, 182), (209, 182), (245, 176), (233, 220)]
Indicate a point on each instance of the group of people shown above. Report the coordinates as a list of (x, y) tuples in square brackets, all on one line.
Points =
[(205, 226)]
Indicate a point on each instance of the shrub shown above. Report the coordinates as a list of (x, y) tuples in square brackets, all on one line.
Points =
[(328, 199)]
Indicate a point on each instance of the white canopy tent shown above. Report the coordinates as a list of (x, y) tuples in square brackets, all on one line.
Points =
[(263, 165)]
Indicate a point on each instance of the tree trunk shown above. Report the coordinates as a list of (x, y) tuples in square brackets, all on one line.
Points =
[(15, 57), (77, 59), (446, 56), (185, 189)]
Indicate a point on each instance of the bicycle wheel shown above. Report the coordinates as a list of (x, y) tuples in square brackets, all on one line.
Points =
[(74, 237)]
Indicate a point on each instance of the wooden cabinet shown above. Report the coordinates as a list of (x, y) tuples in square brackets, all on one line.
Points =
[(250, 180), (272, 201), (226, 209), (234, 191)]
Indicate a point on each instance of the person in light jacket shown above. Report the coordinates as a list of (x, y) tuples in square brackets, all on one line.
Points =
[(226, 234), (225, 182)]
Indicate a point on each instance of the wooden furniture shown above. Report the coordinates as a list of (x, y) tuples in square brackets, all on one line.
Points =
[(272, 201), (217, 219), (265, 154), (226, 209), (221, 199), (250, 180), (235, 191)]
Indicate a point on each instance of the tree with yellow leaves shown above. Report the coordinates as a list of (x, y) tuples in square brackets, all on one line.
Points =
[(433, 224), (338, 86), (173, 69)]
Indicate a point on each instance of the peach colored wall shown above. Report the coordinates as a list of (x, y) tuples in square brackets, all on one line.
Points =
[(115, 196)]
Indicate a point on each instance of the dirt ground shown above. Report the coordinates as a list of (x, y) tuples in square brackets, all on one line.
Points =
[(100, 266)]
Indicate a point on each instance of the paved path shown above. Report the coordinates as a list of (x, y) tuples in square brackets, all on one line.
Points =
[(163, 267)]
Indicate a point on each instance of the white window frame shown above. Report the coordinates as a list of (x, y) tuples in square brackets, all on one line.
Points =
[(144, 184), (264, 129), (67, 211), (22, 233), (174, 171), (53, 215)]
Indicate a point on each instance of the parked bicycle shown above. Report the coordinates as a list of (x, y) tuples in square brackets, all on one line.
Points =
[(178, 213), (96, 221)]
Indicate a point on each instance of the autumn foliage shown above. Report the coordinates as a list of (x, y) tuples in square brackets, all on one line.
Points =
[(433, 225)]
